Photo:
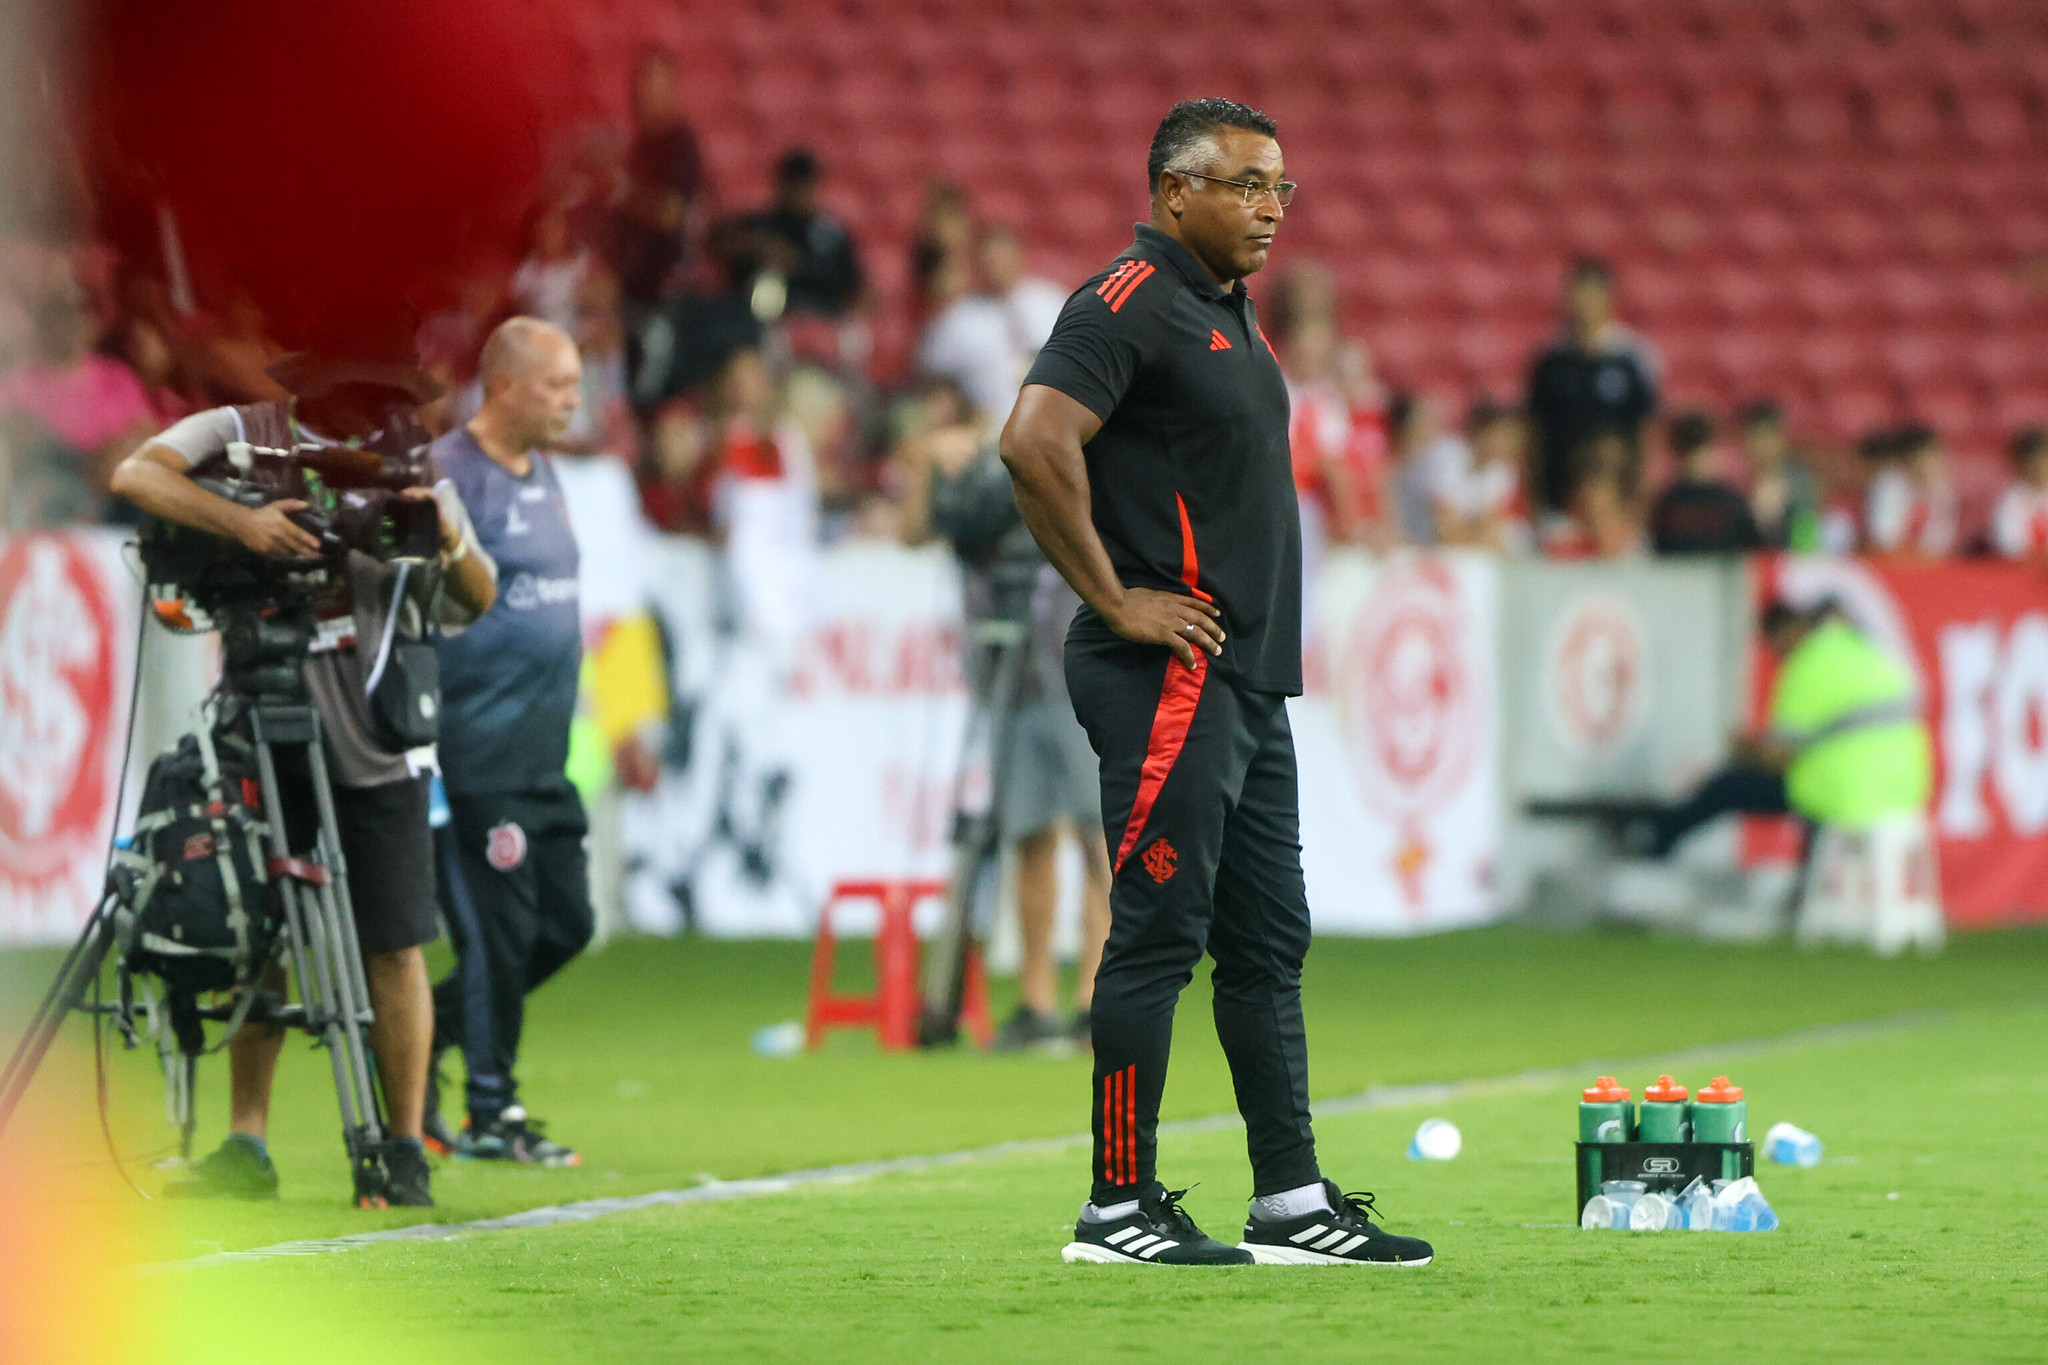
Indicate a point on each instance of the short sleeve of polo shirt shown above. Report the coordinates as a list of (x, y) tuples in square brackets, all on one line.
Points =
[(1092, 355)]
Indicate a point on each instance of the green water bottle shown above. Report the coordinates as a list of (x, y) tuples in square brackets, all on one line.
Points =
[(1719, 1115), (1665, 1116), (1605, 1115)]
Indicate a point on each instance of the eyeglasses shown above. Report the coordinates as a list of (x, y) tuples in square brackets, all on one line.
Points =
[(1283, 193)]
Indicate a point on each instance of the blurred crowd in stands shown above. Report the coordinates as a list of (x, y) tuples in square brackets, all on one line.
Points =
[(728, 362)]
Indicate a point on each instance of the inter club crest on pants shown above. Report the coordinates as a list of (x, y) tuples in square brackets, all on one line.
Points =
[(505, 846)]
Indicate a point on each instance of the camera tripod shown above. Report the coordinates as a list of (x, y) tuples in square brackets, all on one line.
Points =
[(1003, 648), (263, 683)]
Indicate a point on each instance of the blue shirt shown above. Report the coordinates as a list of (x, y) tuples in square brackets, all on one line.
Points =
[(508, 682)]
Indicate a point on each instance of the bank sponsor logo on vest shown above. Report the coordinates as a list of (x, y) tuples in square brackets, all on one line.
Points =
[(1596, 672), (505, 846), (1412, 710), (60, 648), (528, 591)]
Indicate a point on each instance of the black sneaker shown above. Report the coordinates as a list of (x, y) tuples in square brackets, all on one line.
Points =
[(1343, 1237), (237, 1169), (512, 1136), (407, 1182), (1159, 1233), (1027, 1028), (1081, 1032)]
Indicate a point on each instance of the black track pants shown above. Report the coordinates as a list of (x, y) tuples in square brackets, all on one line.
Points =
[(1202, 813), (516, 895)]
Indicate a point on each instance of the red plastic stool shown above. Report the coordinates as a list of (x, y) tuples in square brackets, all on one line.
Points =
[(892, 1010)]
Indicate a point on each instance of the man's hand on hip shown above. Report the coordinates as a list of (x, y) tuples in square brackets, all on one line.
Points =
[(1180, 622)]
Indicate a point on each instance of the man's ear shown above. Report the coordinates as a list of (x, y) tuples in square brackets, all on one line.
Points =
[(1173, 193)]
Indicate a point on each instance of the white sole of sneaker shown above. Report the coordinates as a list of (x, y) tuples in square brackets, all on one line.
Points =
[(1263, 1254), (1088, 1253)]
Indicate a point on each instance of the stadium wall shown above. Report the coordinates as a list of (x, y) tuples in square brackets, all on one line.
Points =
[(1444, 691)]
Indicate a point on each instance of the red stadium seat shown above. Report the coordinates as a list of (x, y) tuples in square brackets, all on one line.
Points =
[(1803, 196)]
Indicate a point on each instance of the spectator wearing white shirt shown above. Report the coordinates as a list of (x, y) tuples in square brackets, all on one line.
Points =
[(1911, 505), (1476, 485), (548, 284), (2019, 524), (1030, 305), (968, 338), (986, 340)]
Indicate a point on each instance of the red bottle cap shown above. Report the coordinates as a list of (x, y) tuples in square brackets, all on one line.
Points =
[(1720, 1092), (1605, 1091), (1665, 1091)]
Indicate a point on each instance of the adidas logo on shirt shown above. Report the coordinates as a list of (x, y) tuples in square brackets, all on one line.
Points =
[(1218, 341)]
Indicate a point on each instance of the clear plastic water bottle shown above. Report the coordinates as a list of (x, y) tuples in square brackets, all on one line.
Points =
[(785, 1039), (1597, 1215), (1789, 1145), (1696, 1203)]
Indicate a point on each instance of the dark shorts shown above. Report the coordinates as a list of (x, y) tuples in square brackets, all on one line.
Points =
[(389, 848)]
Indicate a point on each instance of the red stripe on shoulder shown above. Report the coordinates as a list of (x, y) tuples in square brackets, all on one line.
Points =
[(1116, 277), (1123, 292)]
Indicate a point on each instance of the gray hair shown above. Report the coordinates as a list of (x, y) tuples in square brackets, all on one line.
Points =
[(1189, 130)]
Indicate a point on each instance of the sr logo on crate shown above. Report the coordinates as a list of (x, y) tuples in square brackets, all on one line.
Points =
[(1660, 1165), (505, 846)]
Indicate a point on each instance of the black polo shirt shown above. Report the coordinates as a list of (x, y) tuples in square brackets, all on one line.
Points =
[(1192, 485)]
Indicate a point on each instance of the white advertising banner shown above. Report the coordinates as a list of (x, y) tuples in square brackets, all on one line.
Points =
[(1399, 744), (793, 768), (67, 655)]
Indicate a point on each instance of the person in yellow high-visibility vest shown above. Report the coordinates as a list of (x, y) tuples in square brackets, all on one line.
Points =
[(1844, 746)]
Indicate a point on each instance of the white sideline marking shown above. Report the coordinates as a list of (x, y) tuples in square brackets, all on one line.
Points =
[(1378, 1098)]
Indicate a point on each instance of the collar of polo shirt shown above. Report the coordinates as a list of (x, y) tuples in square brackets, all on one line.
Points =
[(1184, 261)]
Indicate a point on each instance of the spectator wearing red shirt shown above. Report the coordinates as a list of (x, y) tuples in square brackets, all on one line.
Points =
[(2019, 524), (664, 181), (1362, 500)]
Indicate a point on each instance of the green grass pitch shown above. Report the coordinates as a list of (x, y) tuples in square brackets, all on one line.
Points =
[(1920, 1238)]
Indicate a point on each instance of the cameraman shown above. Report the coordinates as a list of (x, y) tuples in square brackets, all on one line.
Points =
[(1048, 775), (380, 800)]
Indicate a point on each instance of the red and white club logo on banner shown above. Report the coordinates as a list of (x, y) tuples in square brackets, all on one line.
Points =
[(1410, 706), (58, 657), (1596, 672)]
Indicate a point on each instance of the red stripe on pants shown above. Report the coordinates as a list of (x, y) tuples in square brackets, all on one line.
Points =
[(1131, 1123), (1112, 1140), (1178, 697)]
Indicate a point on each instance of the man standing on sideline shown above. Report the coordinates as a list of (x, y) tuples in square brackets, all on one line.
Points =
[(514, 886), (1149, 453)]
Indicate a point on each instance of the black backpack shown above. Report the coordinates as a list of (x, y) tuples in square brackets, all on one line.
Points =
[(196, 908)]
